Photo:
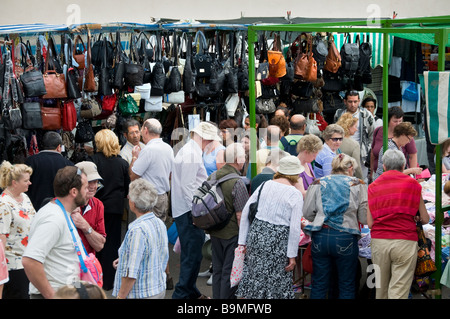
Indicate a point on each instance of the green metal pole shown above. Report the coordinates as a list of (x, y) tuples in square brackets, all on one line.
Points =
[(251, 39), (441, 39), (386, 55)]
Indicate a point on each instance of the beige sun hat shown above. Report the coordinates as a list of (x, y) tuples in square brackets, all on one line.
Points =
[(207, 131), (290, 165), (90, 169)]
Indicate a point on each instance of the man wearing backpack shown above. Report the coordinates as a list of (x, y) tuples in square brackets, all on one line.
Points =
[(224, 241), (366, 126), (289, 142), (188, 173)]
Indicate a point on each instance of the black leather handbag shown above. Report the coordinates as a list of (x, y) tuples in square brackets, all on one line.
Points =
[(84, 132), (158, 72), (202, 59), (31, 115), (104, 83), (33, 83), (119, 65)]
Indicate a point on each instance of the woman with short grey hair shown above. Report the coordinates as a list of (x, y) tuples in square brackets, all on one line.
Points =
[(333, 136), (394, 160), (144, 252)]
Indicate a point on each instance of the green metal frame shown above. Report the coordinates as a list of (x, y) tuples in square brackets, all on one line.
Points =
[(439, 26)]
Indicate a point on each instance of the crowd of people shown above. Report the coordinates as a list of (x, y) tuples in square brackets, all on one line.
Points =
[(325, 187)]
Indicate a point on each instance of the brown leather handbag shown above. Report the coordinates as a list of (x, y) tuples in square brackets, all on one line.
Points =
[(333, 61), (79, 56), (51, 117), (277, 63), (89, 84), (305, 64), (55, 83)]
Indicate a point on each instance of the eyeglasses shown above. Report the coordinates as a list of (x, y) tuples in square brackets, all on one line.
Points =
[(336, 139)]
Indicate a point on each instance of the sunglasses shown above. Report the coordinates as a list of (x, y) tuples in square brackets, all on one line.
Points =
[(336, 139)]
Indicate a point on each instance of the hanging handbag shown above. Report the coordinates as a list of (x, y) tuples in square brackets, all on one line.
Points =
[(127, 105), (84, 132), (253, 208), (87, 81), (51, 118), (411, 93), (119, 65), (12, 118), (243, 68), (72, 74), (189, 73), (262, 70), (305, 64), (265, 106), (104, 85), (333, 60), (350, 56), (154, 104), (31, 115), (69, 116), (134, 70), (158, 72), (109, 103), (79, 55), (55, 83), (90, 108), (33, 83), (277, 62), (320, 52), (202, 59)]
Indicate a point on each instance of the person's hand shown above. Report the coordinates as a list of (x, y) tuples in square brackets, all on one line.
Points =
[(135, 151), (115, 263), (78, 220), (291, 264)]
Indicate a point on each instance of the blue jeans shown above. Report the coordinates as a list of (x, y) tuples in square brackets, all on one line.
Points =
[(332, 248), (192, 239)]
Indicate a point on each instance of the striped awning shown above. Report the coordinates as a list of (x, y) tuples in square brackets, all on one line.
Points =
[(32, 28), (437, 86)]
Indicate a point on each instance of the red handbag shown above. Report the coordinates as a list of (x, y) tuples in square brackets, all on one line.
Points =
[(307, 263), (69, 116)]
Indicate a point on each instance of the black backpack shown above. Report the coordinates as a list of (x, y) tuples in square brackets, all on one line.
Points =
[(289, 146), (350, 57)]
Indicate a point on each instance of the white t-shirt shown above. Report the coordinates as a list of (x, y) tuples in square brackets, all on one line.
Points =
[(125, 152), (50, 243), (154, 164)]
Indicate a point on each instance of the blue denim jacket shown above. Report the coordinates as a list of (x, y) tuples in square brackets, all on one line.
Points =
[(339, 201)]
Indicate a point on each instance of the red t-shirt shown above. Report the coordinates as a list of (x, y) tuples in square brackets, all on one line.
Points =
[(394, 200), (95, 217)]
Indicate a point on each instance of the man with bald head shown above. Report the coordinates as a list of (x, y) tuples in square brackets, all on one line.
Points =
[(289, 142), (154, 163)]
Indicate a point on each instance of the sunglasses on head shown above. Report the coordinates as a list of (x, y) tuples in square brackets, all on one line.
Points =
[(336, 139)]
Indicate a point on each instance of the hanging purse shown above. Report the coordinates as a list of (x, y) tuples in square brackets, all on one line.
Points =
[(243, 67), (72, 74), (119, 65), (127, 105), (55, 83), (333, 60), (87, 81), (277, 62), (305, 64), (79, 55), (189, 74), (425, 265), (84, 132), (69, 116), (202, 59), (51, 117), (90, 108), (265, 106), (104, 85), (158, 72), (33, 83), (31, 115), (154, 104), (134, 70)]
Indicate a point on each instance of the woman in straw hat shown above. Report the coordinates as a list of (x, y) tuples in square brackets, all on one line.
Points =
[(271, 239)]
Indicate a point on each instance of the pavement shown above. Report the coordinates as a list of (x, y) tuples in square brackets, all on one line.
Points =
[(300, 292)]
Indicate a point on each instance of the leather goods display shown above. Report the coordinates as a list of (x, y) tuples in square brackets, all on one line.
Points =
[(277, 62), (51, 118), (333, 60), (31, 115)]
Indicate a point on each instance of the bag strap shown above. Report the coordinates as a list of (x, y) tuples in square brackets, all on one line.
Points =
[(259, 194), (75, 242)]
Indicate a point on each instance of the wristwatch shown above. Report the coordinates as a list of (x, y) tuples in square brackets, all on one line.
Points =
[(89, 231)]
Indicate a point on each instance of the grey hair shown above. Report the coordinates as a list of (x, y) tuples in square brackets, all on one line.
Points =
[(332, 129), (233, 152), (153, 126), (143, 194), (394, 160)]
